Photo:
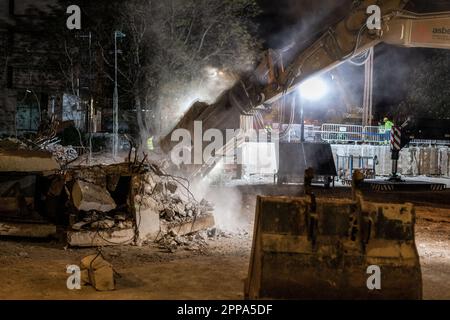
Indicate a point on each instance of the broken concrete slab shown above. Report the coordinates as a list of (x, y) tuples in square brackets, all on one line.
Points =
[(79, 225), (103, 224), (87, 239), (90, 197), (200, 223), (100, 273), (148, 224), (29, 230), (171, 186), (27, 161)]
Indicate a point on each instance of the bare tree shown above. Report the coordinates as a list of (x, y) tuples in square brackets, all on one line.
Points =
[(171, 43)]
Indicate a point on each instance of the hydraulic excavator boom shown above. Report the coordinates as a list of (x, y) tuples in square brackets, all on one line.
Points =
[(279, 74), (322, 248)]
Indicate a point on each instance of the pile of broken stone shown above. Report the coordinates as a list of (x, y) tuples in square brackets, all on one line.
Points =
[(151, 188), (172, 199), (96, 221), (62, 154)]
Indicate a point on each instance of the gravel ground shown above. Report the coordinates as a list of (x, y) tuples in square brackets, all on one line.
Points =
[(37, 270)]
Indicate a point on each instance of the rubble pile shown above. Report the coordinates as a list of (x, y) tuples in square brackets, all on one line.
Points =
[(97, 221), (196, 241), (134, 201), (11, 144), (62, 154), (92, 204), (136, 197), (193, 242), (177, 210), (165, 196)]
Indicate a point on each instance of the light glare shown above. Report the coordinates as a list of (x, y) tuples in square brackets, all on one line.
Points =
[(313, 89)]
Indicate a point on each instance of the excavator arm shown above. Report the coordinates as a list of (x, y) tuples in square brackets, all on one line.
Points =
[(343, 42), (278, 74)]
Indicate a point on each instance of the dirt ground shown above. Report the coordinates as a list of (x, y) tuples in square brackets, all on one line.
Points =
[(37, 270)]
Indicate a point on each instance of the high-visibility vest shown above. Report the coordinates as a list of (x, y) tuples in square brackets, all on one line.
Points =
[(388, 125), (150, 144)]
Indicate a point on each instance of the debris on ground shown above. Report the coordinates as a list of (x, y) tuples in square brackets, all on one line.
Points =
[(98, 221), (45, 140), (174, 209), (90, 197), (171, 242), (133, 196), (98, 272), (137, 196), (196, 241), (62, 154)]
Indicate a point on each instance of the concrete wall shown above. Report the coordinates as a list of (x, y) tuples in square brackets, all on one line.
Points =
[(430, 161)]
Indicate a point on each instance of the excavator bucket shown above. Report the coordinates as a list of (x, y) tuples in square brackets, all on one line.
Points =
[(305, 248)]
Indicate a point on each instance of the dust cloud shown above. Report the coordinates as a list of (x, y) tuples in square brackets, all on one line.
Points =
[(227, 203)]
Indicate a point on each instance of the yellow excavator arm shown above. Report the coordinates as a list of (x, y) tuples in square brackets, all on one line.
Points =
[(278, 75), (338, 44)]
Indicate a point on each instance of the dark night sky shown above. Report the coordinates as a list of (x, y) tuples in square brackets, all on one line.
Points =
[(285, 20), (284, 16)]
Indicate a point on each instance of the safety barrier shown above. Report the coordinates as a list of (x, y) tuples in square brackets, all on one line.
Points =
[(312, 133), (339, 133), (430, 142), (375, 135), (342, 133)]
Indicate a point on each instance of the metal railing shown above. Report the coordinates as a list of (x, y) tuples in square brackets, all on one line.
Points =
[(372, 134), (312, 133), (341, 133), (430, 142)]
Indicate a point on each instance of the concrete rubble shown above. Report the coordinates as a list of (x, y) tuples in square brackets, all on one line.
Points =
[(196, 241), (61, 154), (171, 242), (98, 272), (100, 205), (168, 200), (123, 204), (90, 197)]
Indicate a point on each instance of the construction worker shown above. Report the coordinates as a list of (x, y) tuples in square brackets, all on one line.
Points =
[(150, 145), (388, 124), (269, 132)]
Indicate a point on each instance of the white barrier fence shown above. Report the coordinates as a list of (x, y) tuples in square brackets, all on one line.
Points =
[(348, 134), (342, 133), (338, 133)]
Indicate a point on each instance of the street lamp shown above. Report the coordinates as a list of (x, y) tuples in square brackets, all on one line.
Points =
[(312, 89), (117, 35)]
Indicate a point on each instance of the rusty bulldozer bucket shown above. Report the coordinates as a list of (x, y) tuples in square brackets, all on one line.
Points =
[(325, 249)]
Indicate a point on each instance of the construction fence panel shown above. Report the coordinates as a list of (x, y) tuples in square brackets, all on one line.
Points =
[(293, 133), (374, 134), (342, 133)]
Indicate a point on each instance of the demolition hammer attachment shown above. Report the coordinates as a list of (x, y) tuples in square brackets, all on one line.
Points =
[(308, 248)]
